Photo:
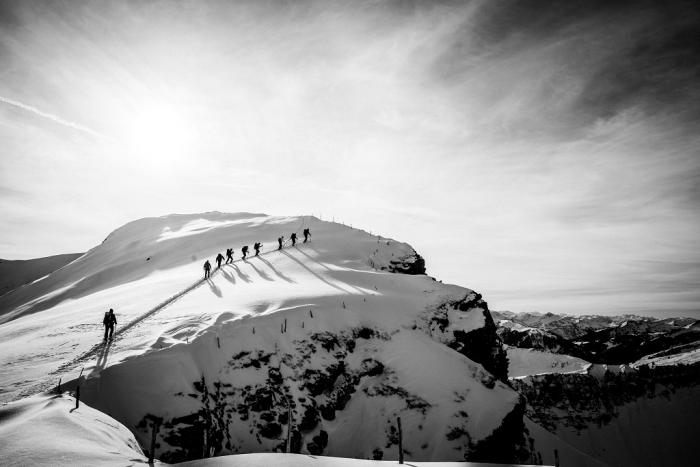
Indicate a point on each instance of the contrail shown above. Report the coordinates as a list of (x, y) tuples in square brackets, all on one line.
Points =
[(59, 120)]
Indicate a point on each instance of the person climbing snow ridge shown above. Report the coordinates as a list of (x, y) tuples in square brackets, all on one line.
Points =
[(229, 255), (307, 234), (294, 238), (219, 259), (109, 321), (207, 269), (244, 250), (257, 248), (280, 240)]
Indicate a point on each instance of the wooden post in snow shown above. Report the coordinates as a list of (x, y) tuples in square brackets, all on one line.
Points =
[(398, 422), (556, 458), (77, 396), (289, 427), (154, 432)]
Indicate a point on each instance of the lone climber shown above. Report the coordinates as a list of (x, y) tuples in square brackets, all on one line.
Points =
[(244, 250), (279, 240), (294, 238), (307, 234), (219, 259), (207, 269), (109, 321)]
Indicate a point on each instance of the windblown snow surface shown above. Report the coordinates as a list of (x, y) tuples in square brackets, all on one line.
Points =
[(344, 333)]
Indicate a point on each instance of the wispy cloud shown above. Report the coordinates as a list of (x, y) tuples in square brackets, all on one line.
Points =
[(52, 117)]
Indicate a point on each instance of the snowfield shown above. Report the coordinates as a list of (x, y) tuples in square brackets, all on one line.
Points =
[(526, 362)]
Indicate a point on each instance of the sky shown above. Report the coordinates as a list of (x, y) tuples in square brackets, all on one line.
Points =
[(543, 153)]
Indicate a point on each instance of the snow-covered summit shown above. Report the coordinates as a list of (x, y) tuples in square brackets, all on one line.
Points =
[(345, 333)]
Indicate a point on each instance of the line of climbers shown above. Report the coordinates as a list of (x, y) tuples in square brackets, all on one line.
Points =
[(110, 319), (257, 247)]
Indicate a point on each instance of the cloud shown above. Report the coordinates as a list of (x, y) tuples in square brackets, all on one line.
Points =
[(53, 118), (529, 146)]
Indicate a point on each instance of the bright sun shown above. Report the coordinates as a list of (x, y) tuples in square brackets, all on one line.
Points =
[(159, 134)]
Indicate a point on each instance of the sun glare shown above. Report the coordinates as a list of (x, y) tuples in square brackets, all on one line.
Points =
[(159, 134)]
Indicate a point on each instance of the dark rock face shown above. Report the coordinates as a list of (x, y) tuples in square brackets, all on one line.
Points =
[(318, 443), (413, 264), (482, 345), (507, 443)]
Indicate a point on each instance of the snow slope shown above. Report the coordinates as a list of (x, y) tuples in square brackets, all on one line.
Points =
[(48, 430), (324, 329), (15, 273)]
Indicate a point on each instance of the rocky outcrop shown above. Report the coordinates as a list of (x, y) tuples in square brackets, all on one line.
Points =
[(411, 264), (466, 326)]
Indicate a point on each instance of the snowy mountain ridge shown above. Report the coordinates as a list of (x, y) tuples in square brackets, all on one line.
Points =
[(343, 335), (598, 339), (315, 349)]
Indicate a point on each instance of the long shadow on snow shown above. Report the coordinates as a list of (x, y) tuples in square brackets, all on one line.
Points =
[(333, 273), (102, 357), (318, 276), (214, 288), (245, 277), (279, 273), (228, 276), (262, 274)]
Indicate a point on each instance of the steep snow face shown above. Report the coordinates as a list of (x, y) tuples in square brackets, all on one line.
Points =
[(328, 332), (16, 273), (49, 430)]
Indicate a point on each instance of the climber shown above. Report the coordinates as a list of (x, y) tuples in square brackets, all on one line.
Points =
[(244, 250), (294, 238), (307, 234), (257, 248), (219, 259), (109, 322), (279, 240), (207, 269), (229, 255)]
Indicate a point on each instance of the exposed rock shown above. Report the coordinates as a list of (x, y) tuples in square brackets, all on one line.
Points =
[(318, 443), (413, 264)]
